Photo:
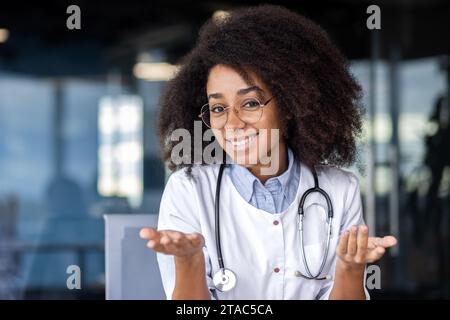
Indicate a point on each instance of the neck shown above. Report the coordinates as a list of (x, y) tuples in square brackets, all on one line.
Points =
[(278, 159)]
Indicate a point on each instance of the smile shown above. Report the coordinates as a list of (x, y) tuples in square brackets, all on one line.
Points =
[(242, 143)]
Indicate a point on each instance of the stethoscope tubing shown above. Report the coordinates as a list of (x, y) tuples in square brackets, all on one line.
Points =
[(225, 279), (217, 217)]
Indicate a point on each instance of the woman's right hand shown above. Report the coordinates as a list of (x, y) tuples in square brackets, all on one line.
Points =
[(178, 244), (187, 248)]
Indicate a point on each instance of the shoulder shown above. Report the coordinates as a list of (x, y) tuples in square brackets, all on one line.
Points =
[(336, 175), (185, 192), (198, 171), (198, 175), (343, 183)]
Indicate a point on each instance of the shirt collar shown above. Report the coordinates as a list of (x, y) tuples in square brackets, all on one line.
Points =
[(244, 180), (243, 177), (286, 177)]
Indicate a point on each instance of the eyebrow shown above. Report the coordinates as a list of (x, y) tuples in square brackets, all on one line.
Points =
[(240, 92)]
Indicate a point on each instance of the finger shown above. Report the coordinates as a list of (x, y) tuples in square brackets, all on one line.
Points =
[(174, 241), (166, 249), (380, 251), (164, 239), (363, 236), (148, 233), (172, 236), (175, 237), (196, 239), (374, 255), (343, 243), (388, 241), (385, 242), (174, 249), (185, 245), (373, 242), (351, 249), (155, 245), (165, 244)]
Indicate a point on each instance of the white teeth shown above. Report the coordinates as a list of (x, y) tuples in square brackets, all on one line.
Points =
[(242, 142)]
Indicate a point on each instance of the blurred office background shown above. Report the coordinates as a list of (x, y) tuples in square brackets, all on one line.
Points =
[(77, 117)]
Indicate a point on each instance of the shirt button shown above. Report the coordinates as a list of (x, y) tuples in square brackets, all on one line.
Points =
[(275, 222), (276, 270)]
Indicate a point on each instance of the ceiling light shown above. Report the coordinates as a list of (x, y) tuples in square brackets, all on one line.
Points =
[(154, 71), (4, 35)]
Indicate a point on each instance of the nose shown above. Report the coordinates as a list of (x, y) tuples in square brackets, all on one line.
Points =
[(233, 121)]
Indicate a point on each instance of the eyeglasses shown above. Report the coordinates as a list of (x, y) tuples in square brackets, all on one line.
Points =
[(216, 116)]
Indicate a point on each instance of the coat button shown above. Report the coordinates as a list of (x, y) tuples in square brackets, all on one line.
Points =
[(276, 269), (276, 222)]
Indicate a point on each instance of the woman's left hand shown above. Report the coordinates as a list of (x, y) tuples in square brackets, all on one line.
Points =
[(356, 248)]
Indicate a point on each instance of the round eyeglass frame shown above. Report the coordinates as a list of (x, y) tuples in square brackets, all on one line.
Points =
[(261, 106)]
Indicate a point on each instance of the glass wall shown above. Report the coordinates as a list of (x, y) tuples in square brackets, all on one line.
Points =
[(51, 201), (421, 86)]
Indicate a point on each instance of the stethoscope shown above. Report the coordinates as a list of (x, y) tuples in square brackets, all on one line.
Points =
[(225, 279)]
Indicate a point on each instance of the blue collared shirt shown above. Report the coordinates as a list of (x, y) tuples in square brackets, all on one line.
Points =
[(276, 194)]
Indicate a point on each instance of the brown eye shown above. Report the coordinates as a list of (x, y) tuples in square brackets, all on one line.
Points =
[(251, 104), (217, 109)]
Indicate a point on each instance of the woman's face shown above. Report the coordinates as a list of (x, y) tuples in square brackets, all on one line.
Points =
[(247, 144)]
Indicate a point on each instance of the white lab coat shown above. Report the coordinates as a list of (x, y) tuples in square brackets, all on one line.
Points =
[(252, 245)]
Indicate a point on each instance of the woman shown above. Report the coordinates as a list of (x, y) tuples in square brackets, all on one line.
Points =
[(282, 105)]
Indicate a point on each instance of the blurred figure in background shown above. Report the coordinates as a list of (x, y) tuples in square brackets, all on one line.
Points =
[(9, 284), (437, 158)]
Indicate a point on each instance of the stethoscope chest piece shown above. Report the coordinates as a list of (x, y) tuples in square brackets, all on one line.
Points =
[(224, 280)]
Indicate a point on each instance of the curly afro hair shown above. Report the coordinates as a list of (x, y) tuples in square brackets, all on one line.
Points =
[(318, 100)]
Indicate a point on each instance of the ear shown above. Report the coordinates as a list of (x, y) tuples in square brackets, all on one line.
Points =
[(285, 125), (284, 134)]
